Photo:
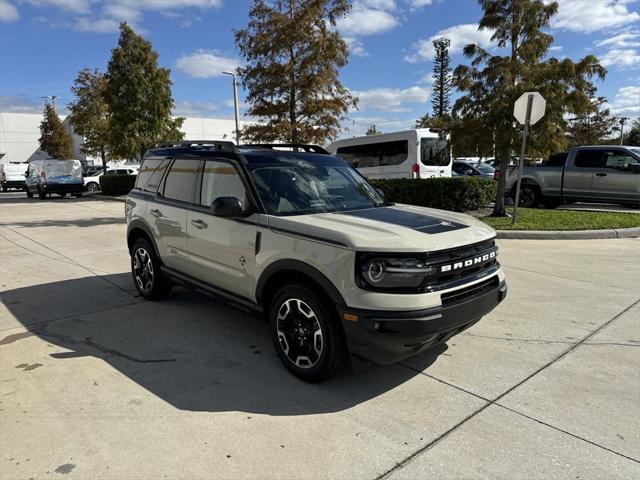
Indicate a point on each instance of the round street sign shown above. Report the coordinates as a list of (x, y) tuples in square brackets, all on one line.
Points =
[(537, 108)]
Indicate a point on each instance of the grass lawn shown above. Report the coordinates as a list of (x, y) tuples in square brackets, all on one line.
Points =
[(543, 219)]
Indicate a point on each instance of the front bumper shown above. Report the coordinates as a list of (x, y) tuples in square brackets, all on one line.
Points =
[(389, 336)]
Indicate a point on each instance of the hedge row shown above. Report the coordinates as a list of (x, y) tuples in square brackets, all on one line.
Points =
[(458, 194), (117, 184)]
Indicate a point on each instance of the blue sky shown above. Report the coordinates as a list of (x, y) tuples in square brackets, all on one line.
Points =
[(43, 44)]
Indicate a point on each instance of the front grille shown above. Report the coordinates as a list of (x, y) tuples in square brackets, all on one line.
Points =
[(463, 294), (456, 265)]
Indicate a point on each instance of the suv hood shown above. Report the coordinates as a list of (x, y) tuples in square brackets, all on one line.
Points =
[(398, 228)]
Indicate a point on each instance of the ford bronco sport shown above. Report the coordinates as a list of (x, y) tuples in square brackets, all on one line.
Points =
[(296, 234)]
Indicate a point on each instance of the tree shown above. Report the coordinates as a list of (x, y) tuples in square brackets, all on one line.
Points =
[(53, 139), (89, 113), (292, 60), (138, 98), (592, 127), (441, 78), (492, 83), (373, 130), (632, 137)]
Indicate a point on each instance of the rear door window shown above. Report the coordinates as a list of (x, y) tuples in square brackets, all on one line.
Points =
[(591, 159), (375, 154), (150, 174), (180, 183)]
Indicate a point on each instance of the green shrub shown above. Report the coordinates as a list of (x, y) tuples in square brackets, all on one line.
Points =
[(458, 194), (117, 184)]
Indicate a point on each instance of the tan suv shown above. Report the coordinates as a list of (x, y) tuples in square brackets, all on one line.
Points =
[(296, 234)]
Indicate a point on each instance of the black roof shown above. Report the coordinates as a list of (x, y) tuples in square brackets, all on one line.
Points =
[(254, 154)]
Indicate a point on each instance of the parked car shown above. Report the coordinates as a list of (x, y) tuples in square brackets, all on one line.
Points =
[(45, 177), (92, 183), (301, 237), (470, 169), (602, 173), (12, 175)]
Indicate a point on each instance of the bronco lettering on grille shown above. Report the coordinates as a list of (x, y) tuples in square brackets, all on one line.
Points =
[(468, 262)]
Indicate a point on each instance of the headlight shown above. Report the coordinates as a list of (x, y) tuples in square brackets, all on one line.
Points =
[(381, 272)]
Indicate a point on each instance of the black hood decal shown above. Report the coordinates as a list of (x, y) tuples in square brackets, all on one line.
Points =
[(416, 221)]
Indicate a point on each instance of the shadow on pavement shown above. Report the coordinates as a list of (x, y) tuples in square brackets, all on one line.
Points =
[(190, 351), (73, 222)]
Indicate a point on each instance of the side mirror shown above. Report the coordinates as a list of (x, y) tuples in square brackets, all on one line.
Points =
[(227, 207)]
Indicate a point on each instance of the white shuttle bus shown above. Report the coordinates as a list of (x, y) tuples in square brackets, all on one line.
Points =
[(419, 153)]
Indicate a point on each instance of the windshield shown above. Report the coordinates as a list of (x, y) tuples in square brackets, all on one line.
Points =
[(305, 187), (635, 150), (435, 152), (484, 168)]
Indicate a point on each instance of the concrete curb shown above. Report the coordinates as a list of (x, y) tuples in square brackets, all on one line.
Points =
[(633, 232)]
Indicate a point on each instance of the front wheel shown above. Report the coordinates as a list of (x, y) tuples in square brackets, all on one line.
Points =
[(145, 268), (92, 187), (306, 334), (42, 195), (29, 193)]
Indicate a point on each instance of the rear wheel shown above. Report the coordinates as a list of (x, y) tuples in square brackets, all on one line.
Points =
[(306, 334), (145, 268), (529, 196), (92, 187)]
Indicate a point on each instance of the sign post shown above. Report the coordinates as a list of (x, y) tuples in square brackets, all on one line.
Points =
[(528, 109)]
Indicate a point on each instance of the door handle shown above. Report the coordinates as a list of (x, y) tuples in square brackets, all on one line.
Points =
[(155, 213), (601, 174), (199, 224)]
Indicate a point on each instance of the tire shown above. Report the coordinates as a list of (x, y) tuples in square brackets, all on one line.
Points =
[(5, 188), (29, 193), (529, 196), (77, 195), (145, 269), (93, 187), (306, 334), (42, 195)]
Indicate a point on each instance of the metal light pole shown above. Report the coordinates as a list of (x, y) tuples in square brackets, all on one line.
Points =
[(53, 99), (235, 105)]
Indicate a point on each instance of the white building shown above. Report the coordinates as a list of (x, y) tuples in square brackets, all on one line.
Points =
[(19, 133)]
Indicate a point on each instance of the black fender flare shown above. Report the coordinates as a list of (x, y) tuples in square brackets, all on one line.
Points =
[(302, 268), (140, 225)]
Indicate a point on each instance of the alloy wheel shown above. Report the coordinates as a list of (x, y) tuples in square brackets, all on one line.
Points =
[(299, 333), (143, 270)]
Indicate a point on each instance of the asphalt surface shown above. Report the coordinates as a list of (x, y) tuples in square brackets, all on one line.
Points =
[(97, 383)]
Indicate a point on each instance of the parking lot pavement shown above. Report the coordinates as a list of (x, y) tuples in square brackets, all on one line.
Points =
[(97, 383)]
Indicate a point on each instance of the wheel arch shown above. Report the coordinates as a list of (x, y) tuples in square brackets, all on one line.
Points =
[(284, 271), (138, 229)]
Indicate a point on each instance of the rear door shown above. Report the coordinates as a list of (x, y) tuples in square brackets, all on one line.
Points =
[(616, 180), (222, 250), (168, 211), (578, 177)]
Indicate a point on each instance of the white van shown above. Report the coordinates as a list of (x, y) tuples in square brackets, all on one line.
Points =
[(12, 175), (418, 153)]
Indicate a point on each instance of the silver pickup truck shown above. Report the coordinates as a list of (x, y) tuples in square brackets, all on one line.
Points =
[(599, 174)]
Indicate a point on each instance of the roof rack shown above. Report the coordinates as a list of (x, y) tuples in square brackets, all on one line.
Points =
[(218, 144), (296, 147)]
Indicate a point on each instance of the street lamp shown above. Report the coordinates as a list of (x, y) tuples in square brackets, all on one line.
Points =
[(235, 105), (53, 99)]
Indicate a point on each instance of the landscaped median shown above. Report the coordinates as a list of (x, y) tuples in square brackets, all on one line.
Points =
[(542, 223)]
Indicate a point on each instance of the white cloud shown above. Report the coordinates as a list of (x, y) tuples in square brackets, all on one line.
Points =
[(78, 6), (368, 18), (459, 35), (97, 25), (420, 3), (195, 109), (205, 64), (8, 12), (627, 102), (626, 39), (593, 15), (621, 58), (391, 99), (356, 47)]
